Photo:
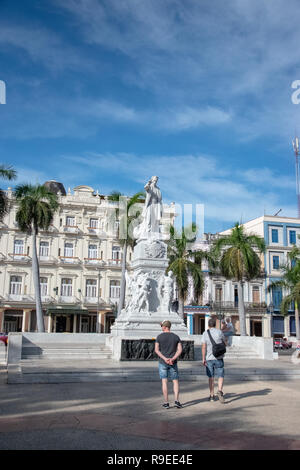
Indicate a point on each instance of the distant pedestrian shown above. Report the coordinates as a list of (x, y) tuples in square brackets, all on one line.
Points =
[(168, 347), (227, 330), (214, 365)]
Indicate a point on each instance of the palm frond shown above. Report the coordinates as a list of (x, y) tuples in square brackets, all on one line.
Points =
[(7, 172)]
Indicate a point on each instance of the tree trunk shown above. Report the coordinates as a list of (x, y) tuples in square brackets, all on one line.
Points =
[(123, 281), (181, 308), (37, 287), (241, 308), (297, 321)]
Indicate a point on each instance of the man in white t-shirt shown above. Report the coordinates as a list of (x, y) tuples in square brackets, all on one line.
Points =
[(214, 366), (228, 330)]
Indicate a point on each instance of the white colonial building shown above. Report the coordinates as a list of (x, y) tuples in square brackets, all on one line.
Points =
[(262, 306), (80, 265)]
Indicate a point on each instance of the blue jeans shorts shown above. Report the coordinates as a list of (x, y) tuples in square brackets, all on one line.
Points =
[(215, 368), (228, 333), (168, 372)]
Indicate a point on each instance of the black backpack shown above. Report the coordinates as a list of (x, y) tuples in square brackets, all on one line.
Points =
[(218, 349)]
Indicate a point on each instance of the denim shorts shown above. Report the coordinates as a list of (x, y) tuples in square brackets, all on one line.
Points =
[(167, 371), (215, 368)]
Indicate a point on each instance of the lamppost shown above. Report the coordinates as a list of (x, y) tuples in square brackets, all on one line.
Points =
[(98, 303), (271, 311)]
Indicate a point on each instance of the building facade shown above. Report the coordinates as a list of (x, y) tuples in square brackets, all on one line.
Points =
[(280, 235), (262, 307), (220, 298), (80, 266)]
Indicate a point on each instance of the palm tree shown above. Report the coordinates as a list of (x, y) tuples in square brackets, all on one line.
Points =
[(186, 264), (238, 260), (7, 173), (290, 281), (36, 207), (125, 219)]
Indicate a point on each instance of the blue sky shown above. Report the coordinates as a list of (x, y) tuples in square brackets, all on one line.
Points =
[(108, 93)]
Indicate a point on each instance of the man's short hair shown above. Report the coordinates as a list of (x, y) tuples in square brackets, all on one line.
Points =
[(212, 322), (166, 323)]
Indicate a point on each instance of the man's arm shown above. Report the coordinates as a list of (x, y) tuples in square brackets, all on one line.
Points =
[(156, 349), (177, 354), (204, 353)]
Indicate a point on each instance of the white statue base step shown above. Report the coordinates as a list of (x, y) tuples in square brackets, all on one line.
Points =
[(150, 326)]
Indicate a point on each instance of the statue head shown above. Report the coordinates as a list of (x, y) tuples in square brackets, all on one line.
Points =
[(154, 179), (170, 273)]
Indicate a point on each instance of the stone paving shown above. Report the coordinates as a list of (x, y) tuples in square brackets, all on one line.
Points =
[(118, 416)]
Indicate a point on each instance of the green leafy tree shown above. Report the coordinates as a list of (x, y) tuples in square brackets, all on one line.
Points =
[(239, 260), (6, 173), (36, 208), (186, 263), (126, 240)]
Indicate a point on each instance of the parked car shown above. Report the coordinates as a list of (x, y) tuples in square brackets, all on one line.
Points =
[(4, 338)]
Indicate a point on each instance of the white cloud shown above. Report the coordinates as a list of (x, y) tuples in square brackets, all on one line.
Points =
[(42, 46), (233, 55), (193, 179)]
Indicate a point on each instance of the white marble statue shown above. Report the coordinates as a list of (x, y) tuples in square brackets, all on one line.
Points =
[(139, 291), (166, 286), (152, 212)]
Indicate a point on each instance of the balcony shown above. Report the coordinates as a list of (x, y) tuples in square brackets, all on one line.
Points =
[(18, 258), (93, 262), (47, 299), (250, 307), (68, 299), (71, 229), (24, 298), (114, 262), (69, 260), (93, 301), (47, 260)]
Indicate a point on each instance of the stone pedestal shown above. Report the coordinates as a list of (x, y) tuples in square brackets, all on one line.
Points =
[(148, 298)]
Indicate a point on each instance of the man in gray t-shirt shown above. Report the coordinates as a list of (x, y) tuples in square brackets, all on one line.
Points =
[(168, 347), (214, 366)]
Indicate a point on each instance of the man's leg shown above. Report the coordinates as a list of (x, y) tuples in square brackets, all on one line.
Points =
[(220, 375), (165, 389), (176, 389), (220, 383), (211, 382)]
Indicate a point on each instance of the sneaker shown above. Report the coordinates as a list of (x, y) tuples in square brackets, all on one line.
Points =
[(211, 398), (178, 404), (166, 405), (221, 396)]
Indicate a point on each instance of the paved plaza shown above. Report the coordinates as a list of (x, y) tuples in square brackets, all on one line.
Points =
[(258, 414)]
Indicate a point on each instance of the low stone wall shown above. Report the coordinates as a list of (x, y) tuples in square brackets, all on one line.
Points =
[(262, 346), (143, 350)]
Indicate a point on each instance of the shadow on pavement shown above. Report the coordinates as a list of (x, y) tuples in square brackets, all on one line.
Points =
[(231, 397)]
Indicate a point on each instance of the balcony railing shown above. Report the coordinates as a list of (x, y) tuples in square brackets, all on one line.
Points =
[(19, 298), (93, 261), (69, 259), (71, 228), (114, 262), (64, 299), (47, 259), (233, 306), (19, 257), (47, 299), (93, 301)]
